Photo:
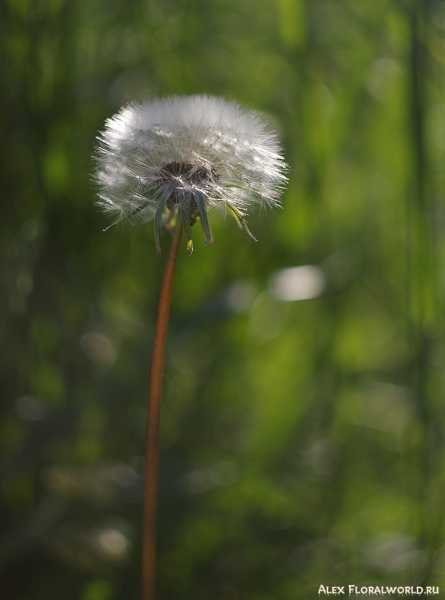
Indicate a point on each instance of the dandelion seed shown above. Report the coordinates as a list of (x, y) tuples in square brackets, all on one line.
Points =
[(183, 156)]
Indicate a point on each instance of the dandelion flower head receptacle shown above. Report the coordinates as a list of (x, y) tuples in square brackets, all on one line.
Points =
[(184, 155)]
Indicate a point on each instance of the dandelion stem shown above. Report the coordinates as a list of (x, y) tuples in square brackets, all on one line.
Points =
[(153, 417)]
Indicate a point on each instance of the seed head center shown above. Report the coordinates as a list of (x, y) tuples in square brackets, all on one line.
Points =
[(188, 175)]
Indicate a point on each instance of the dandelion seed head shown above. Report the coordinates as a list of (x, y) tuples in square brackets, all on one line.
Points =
[(184, 155)]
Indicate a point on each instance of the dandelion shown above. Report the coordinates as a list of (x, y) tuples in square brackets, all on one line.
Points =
[(186, 155), (171, 161)]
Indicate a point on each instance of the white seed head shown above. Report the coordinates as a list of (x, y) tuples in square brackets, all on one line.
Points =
[(183, 155)]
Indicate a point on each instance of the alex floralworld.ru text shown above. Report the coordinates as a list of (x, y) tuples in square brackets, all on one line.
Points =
[(343, 590)]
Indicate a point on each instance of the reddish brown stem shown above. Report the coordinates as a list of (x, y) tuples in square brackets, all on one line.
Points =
[(154, 410)]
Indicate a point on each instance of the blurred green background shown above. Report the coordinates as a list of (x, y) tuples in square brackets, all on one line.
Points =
[(303, 414)]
